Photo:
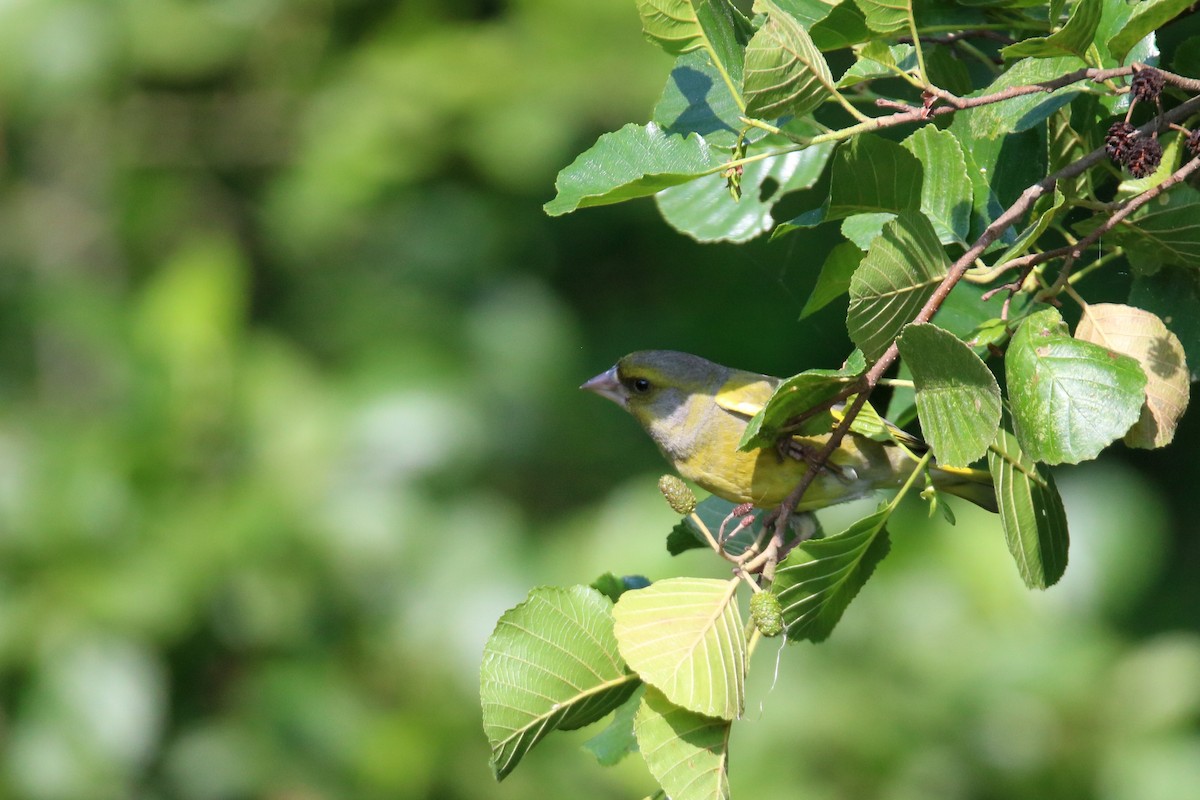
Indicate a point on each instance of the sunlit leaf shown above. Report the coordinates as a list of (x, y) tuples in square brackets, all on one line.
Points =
[(1166, 229), (883, 62), (636, 161), (795, 396), (819, 578), (552, 663), (684, 636), (1024, 111), (1173, 293), (705, 210), (946, 192), (896, 278), (1142, 335), (697, 100), (1147, 17), (808, 12), (687, 753), (1070, 399), (681, 26), (1031, 512), (785, 72), (862, 229), (886, 16), (958, 400), (1075, 37)]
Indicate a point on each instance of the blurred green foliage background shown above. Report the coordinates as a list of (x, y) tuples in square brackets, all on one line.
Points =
[(288, 357)]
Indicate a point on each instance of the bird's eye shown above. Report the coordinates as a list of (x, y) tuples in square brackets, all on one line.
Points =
[(641, 385)]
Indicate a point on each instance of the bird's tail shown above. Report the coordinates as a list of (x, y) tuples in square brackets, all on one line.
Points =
[(973, 485)]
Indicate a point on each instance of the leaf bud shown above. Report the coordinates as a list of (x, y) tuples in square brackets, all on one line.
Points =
[(679, 497), (1193, 142)]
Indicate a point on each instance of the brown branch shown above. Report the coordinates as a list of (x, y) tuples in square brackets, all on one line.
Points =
[(1123, 210), (1130, 206), (990, 234)]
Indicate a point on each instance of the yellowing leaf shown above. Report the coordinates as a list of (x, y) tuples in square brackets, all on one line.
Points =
[(684, 637), (1139, 333)]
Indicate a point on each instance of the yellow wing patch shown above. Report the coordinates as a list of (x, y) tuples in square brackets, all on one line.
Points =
[(745, 393)]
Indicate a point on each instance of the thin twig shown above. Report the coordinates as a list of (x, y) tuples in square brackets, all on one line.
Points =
[(1010, 216)]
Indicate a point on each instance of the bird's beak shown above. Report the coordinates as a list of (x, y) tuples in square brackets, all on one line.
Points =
[(606, 384)]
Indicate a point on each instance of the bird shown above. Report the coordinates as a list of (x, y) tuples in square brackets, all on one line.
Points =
[(696, 411)]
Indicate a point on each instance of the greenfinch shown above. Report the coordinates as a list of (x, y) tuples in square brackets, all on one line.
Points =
[(696, 412)]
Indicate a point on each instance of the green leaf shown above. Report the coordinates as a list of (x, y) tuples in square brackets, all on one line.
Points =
[(705, 210), (872, 174), (713, 512), (1031, 512), (896, 278), (613, 587), (1166, 229), (958, 400), (697, 100), (1142, 335), (793, 397), (1148, 16), (946, 192), (684, 637), (687, 753), (1064, 145), (862, 229), (1028, 237), (844, 27), (834, 280), (617, 740), (883, 62), (1024, 111), (1000, 170), (785, 72), (552, 663), (681, 26), (1073, 38), (636, 161), (820, 577), (886, 16), (1070, 398), (808, 12)]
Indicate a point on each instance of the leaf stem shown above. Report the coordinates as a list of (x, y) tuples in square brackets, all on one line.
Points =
[(862, 389), (919, 469)]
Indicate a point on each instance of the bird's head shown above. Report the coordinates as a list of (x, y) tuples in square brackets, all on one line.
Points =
[(655, 385)]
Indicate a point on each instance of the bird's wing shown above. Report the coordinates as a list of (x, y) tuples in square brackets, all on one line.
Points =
[(745, 393)]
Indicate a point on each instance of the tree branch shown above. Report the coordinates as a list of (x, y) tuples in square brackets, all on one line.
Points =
[(1010, 216)]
